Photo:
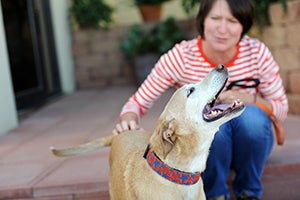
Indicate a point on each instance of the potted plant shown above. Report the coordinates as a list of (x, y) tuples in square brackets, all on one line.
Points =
[(91, 13), (142, 48), (261, 9), (150, 10)]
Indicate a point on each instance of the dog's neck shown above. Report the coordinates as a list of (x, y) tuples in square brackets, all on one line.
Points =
[(169, 173)]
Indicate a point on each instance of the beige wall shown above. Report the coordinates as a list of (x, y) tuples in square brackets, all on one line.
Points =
[(8, 114), (127, 13), (62, 34)]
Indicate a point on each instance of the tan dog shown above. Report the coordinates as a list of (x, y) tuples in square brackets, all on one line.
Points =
[(177, 150)]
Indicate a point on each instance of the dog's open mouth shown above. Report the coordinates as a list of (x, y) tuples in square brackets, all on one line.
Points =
[(215, 110)]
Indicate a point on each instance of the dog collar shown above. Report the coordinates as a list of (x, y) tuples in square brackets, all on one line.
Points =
[(169, 173)]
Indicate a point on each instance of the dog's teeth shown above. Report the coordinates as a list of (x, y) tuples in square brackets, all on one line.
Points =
[(236, 102), (215, 112), (213, 99)]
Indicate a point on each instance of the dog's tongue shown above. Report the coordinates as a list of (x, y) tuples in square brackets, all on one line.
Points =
[(221, 107), (218, 110)]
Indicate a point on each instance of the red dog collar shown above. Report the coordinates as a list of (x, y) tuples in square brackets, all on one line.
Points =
[(169, 173)]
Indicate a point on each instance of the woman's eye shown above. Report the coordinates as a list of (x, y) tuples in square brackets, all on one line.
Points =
[(232, 20), (215, 18), (190, 91)]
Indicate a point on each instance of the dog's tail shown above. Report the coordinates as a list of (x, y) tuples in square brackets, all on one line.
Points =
[(83, 148)]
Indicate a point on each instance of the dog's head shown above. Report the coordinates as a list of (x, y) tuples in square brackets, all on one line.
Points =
[(197, 103), (193, 112)]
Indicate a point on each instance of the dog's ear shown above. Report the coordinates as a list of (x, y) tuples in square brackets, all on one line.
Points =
[(168, 136)]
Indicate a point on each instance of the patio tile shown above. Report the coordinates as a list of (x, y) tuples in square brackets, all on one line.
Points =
[(19, 174), (94, 196), (282, 188), (15, 193), (83, 174), (25, 132)]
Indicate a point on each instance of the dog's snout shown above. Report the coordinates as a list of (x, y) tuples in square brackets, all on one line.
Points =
[(220, 67)]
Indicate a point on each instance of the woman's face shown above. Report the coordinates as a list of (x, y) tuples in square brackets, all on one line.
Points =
[(222, 30)]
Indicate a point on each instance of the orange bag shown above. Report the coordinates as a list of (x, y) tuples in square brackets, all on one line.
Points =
[(279, 131)]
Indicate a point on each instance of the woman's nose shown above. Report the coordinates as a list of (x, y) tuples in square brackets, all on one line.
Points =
[(222, 27)]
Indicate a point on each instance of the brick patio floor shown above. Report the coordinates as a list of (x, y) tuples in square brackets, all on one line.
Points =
[(29, 171)]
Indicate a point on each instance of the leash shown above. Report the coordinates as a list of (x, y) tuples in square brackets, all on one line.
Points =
[(238, 83), (279, 130)]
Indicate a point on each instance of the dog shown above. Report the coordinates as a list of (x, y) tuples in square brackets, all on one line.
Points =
[(167, 164)]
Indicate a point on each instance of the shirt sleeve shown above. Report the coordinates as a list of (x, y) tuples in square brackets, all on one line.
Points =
[(162, 77), (271, 86)]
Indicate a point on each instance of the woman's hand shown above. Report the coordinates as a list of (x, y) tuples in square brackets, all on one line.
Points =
[(229, 96), (128, 121)]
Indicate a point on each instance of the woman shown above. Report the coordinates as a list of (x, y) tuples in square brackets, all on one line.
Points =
[(244, 143)]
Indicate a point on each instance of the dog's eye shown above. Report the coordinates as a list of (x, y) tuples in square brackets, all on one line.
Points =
[(190, 91)]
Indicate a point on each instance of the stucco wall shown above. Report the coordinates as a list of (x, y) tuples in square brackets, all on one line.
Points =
[(61, 29), (8, 114)]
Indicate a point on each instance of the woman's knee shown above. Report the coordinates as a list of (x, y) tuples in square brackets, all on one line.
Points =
[(253, 124)]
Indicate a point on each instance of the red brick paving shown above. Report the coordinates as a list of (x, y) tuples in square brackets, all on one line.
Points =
[(29, 171)]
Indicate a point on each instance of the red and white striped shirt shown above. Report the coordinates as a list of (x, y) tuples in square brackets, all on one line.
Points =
[(186, 63)]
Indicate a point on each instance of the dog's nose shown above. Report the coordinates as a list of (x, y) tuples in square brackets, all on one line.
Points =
[(220, 67)]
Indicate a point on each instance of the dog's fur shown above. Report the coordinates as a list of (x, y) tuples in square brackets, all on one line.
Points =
[(181, 139)]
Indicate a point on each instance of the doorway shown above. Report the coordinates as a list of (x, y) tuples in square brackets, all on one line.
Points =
[(31, 51)]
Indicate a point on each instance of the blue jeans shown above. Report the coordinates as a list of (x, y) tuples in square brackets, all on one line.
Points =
[(242, 144)]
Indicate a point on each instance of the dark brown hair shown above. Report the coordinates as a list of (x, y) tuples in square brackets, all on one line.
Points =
[(242, 10)]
